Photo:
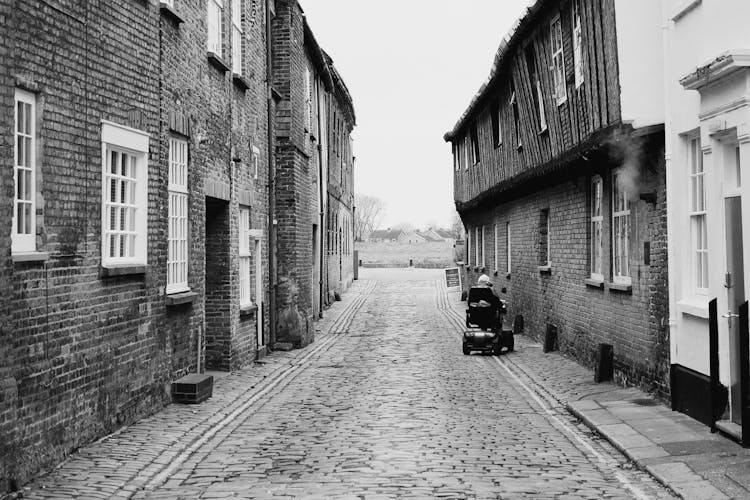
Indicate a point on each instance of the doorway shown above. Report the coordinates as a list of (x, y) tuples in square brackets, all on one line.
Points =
[(217, 295), (735, 275)]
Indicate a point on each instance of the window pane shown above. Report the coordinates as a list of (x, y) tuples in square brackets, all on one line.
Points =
[(113, 160), (21, 161), (27, 118), (28, 185)]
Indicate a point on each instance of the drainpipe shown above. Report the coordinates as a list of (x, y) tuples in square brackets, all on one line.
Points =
[(272, 273)]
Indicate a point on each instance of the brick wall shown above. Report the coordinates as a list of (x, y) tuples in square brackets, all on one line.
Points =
[(82, 354), (633, 322), (298, 168)]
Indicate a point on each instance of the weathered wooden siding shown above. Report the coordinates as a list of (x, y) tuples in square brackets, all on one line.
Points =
[(592, 107)]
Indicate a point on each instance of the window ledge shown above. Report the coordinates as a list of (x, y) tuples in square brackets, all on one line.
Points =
[(248, 310), (683, 8), (113, 270), (620, 287), (543, 131), (30, 257), (240, 81), (171, 13), (217, 62), (693, 307), (545, 269), (176, 299), (594, 283)]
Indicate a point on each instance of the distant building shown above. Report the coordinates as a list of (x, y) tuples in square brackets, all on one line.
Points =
[(411, 237), (314, 192), (559, 179), (385, 235)]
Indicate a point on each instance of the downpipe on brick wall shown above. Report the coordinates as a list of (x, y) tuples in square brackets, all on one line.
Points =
[(272, 278)]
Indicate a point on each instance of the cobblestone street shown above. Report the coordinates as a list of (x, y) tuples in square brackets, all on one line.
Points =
[(382, 405)]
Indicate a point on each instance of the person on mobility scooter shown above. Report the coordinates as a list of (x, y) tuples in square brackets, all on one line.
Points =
[(484, 320)]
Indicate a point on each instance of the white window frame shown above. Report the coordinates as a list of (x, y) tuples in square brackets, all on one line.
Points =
[(238, 66), (128, 141), (597, 221), (467, 145), (540, 101), (577, 43), (215, 27), (698, 216), (476, 246), (558, 60), (497, 243), (507, 247), (308, 99), (256, 161), (245, 257), (548, 260), (484, 262), (24, 173), (620, 240), (178, 216)]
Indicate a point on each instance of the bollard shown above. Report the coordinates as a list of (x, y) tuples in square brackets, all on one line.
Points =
[(550, 338), (604, 363), (411, 263)]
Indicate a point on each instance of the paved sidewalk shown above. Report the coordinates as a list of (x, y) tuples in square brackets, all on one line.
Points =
[(677, 450), (141, 456)]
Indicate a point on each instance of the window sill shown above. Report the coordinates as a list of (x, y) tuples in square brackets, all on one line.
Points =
[(560, 102), (693, 307), (545, 269), (113, 270), (176, 299), (594, 283), (620, 287), (248, 310), (217, 62), (543, 131), (684, 9), (240, 81), (171, 12), (30, 257)]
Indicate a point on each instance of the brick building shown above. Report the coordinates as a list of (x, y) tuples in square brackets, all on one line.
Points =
[(134, 231), (560, 181), (314, 194)]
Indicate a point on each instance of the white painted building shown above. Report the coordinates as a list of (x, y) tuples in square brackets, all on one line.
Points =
[(707, 93)]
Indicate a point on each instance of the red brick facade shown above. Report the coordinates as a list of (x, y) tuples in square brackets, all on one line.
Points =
[(525, 160), (314, 120), (86, 347)]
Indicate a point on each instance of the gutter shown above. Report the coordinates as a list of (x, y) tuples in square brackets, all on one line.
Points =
[(272, 273)]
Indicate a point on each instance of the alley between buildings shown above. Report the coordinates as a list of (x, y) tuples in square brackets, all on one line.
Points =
[(384, 404)]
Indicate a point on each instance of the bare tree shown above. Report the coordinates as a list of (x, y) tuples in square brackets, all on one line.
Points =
[(368, 214), (457, 226)]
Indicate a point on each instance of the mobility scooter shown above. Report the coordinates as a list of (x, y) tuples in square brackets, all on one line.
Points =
[(484, 323)]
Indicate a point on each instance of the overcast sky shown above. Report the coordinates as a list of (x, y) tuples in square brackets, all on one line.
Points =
[(412, 67)]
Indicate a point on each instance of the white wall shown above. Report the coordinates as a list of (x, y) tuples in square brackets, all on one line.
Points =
[(641, 61), (696, 33)]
